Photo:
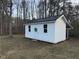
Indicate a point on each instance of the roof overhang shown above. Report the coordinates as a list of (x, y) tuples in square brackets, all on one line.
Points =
[(68, 25)]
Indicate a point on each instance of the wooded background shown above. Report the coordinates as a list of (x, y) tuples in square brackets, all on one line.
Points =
[(34, 9)]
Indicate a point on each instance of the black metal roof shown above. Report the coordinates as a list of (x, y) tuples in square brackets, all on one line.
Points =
[(42, 20), (47, 19)]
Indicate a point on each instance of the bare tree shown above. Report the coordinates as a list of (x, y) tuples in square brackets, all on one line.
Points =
[(41, 9), (10, 24), (24, 9), (45, 5), (3, 14)]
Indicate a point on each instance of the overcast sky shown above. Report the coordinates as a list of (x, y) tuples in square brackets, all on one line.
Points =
[(75, 1)]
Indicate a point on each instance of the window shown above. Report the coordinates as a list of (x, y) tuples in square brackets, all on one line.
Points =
[(45, 28), (35, 29), (29, 28)]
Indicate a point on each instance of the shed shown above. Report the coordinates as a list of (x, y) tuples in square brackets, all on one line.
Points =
[(50, 29)]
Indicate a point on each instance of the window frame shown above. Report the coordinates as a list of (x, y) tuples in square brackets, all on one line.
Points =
[(45, 26), (29, 28)]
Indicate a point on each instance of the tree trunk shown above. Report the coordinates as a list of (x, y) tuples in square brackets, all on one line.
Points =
[(1, 20), (10, 24), (45, 9), (1, 26), (10, 28)]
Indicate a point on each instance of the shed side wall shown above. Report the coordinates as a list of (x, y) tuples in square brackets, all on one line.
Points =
[(60, 30), (40, 35)]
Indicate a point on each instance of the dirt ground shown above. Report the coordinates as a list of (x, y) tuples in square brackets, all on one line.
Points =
[(19, 47)]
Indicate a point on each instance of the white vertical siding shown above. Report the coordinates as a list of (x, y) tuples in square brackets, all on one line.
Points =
[(40, 35), (56, 32), (60, 30)]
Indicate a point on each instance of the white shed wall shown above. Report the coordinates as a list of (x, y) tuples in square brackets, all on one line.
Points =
[(60, 30), (40, 35)]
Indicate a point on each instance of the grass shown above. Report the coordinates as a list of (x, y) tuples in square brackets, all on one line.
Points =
[(20, 48)]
